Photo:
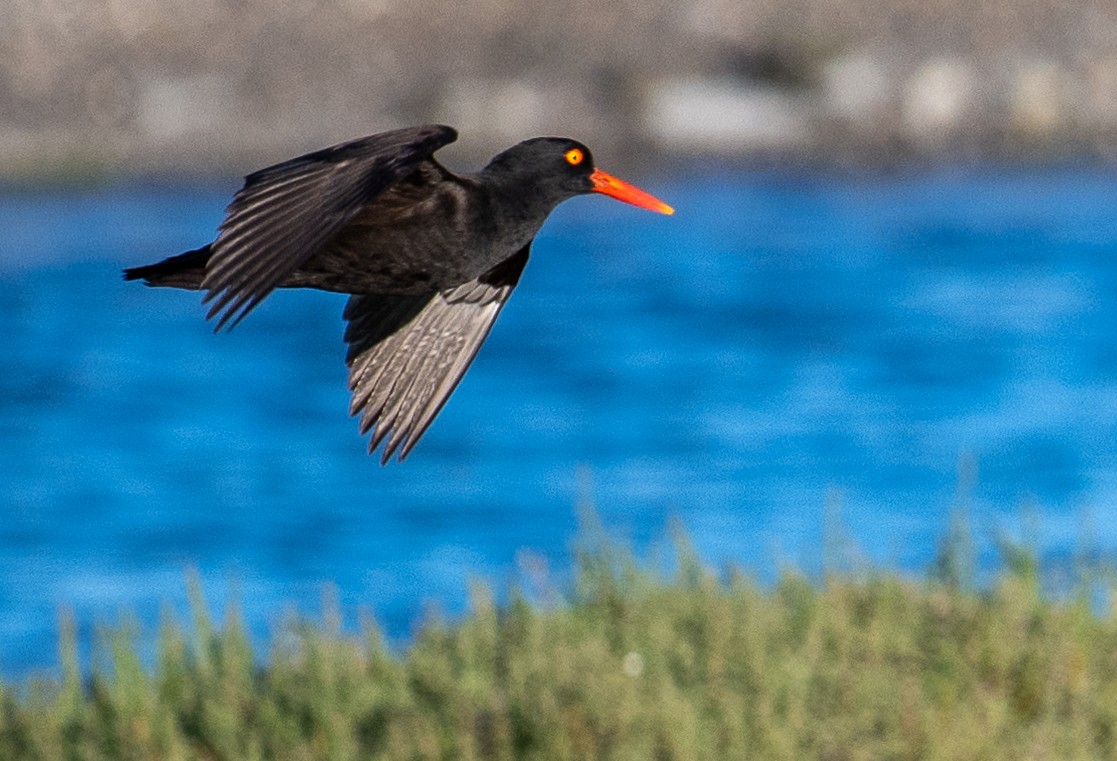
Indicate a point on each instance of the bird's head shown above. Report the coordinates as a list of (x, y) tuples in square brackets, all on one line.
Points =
[(561, 168)]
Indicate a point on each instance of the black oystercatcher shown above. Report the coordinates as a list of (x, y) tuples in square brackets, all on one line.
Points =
[(430, 257)]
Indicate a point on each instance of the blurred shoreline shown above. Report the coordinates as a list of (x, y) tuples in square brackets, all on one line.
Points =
[(143, 87)]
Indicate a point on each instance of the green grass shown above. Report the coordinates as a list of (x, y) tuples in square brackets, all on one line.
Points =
[(627, 663)]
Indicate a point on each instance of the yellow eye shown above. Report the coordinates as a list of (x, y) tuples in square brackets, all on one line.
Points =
[(574, 156)]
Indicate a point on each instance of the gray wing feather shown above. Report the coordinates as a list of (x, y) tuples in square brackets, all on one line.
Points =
[(407, 354), (286, 212)]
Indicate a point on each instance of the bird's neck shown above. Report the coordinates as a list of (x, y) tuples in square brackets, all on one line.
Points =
[(510, 212), (522, 196)]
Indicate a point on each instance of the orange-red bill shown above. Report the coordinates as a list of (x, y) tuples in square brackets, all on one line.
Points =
[(622, 191)]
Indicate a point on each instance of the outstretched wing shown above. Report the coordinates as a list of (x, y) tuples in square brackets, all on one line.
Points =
[(284, 213), (408, 353)]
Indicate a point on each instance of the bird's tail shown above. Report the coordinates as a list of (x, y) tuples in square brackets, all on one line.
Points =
[(182, 271)]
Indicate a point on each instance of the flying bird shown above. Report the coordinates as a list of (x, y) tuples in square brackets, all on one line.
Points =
[(428, 257)]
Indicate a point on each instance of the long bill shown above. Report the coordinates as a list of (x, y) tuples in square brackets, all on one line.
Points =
[(622, 191)]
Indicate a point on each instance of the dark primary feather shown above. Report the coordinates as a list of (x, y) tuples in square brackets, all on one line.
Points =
[(285, 213), (407, 354)]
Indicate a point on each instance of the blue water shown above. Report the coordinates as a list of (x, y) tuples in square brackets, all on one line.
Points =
[(785, 342)]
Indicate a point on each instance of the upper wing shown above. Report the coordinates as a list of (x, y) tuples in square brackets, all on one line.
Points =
[(408, 353), (284, 213)]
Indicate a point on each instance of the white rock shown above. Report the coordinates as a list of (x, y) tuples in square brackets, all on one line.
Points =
[(725, 115), (937, 98), (857, 87)]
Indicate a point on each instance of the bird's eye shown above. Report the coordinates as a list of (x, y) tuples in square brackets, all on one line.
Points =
[(574, 156)]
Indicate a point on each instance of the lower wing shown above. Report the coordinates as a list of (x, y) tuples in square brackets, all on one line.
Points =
[(407, 354)]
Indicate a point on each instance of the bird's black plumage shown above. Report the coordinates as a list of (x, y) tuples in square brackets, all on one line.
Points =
[(428, 257)]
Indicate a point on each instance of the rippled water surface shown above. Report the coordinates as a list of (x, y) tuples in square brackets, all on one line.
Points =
[(784, 342)]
